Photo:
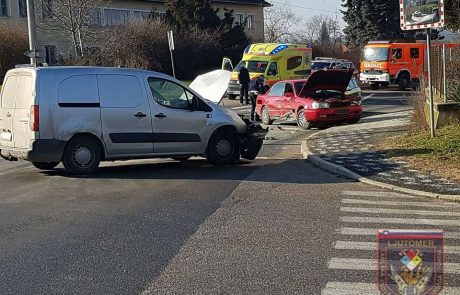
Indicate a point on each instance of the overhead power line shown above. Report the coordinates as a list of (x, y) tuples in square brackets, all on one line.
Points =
[(304, 7)]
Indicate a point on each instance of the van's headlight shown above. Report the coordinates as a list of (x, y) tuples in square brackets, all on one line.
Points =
[(320, 105)]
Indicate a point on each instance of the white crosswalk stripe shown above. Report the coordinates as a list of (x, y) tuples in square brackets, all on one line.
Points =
[(364, 212)]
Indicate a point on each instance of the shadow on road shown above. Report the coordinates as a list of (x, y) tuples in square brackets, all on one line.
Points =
[(274, 171)]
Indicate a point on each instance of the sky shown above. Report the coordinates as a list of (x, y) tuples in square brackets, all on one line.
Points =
[(306, 8)]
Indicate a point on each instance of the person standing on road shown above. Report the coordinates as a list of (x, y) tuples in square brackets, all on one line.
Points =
[(256, 87), (244, 79)]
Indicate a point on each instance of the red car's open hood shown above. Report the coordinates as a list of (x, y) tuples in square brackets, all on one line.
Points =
[(337, 80)]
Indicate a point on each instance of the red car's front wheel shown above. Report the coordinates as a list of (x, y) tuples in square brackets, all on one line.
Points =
[(302, 121)]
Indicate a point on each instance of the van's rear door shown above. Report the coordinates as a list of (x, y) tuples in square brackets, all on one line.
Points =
[(22, 133), (8, 100)]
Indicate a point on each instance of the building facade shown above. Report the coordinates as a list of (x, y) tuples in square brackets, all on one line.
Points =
[(56, 45)]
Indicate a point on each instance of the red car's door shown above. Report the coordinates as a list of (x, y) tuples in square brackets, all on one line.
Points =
[(273, 99), (287, 99)]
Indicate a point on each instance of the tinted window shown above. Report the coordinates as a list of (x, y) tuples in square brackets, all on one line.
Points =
[(9, 92), (170, 94), (119, 91), (277, 90), (294, 62), (414, 53), (25, 99), (298, 87), (316, 65), (79, 89), (288, 88), (273, 70)]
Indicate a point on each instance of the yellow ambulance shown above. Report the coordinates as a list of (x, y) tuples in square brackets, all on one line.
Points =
[(275, 61)]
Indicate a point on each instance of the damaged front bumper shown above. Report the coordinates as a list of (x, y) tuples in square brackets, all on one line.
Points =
[(251, 142)]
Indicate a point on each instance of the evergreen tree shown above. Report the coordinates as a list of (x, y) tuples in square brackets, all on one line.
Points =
[(324, 37), (372, 20), (186, 14), (453, 14)]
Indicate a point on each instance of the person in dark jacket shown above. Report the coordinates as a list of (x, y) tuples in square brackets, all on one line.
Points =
[(244, 79), (256, 87)]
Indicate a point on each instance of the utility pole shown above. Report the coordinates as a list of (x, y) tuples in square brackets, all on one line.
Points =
[(32, 31), (430, 82)]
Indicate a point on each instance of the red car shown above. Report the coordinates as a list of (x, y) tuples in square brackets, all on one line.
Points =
[(320, 100)]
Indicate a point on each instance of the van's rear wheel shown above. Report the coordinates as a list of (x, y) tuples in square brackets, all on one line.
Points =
[(231, 96), (45, 165), (223, 148), (82, 155)]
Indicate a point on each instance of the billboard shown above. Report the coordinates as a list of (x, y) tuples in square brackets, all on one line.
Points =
[(422, 14)]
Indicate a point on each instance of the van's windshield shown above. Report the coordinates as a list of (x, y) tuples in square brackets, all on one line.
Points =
[(253, 66), (377, 54)]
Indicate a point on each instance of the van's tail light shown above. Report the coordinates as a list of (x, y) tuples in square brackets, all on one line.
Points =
[(34, 121)]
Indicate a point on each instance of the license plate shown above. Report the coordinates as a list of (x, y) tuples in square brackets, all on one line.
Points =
[(341, 112), (5, 136)]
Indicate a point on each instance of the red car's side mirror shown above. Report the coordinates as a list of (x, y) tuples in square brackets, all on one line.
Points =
[(289, 94)]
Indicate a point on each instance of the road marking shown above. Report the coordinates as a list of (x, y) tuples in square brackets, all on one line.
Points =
[(372, 246), (399, 211), (421, 221), (371, 264), (352, 231), (377, 194), (352, 288), (368, 97), (427, 204)]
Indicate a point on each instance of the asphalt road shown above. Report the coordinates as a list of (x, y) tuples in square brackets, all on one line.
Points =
[(276, 225)]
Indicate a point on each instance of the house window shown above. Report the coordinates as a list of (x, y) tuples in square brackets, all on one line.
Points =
[(156, 13), (239, 18), (4, 8), (251, 20), (51, 57), (22, 8), (116, 17), (95, 18), (141, 14)]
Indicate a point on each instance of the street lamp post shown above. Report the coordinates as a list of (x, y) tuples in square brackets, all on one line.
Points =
[(32, 32)]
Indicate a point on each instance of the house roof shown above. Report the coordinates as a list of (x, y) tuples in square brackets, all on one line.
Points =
[(244, 2)]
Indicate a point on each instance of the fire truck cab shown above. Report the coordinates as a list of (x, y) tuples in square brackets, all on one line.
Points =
[(385, 62)]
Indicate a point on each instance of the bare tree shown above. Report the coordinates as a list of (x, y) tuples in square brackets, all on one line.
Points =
[(74, 19), (281, 23)]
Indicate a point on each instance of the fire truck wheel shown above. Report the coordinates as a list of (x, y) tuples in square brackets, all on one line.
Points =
[(404, 81)]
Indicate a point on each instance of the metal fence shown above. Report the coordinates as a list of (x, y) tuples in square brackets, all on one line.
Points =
[(446, 70)]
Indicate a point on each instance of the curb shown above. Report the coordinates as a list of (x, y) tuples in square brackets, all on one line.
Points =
[(342, 171)]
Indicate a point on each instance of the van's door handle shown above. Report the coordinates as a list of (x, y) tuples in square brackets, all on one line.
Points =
[(160, 116), (8, 115), (140, 115)]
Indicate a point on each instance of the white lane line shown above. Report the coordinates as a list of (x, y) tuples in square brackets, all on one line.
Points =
[(368, 96), (399, 211), (352, 288), (427, 204), (352, 231), (371, 265), (372, 246), (417, 221), (377, 194)]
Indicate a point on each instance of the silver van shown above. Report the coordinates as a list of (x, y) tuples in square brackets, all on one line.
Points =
[(84, 115)]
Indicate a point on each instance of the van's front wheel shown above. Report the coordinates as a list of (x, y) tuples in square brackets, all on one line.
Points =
[(45, 165), (223, 148), (82, 155)]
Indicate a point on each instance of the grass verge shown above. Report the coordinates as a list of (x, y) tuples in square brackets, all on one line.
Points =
[(439, 155)]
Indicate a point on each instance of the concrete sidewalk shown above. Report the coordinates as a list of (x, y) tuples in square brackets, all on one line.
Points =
[(352, 151)]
